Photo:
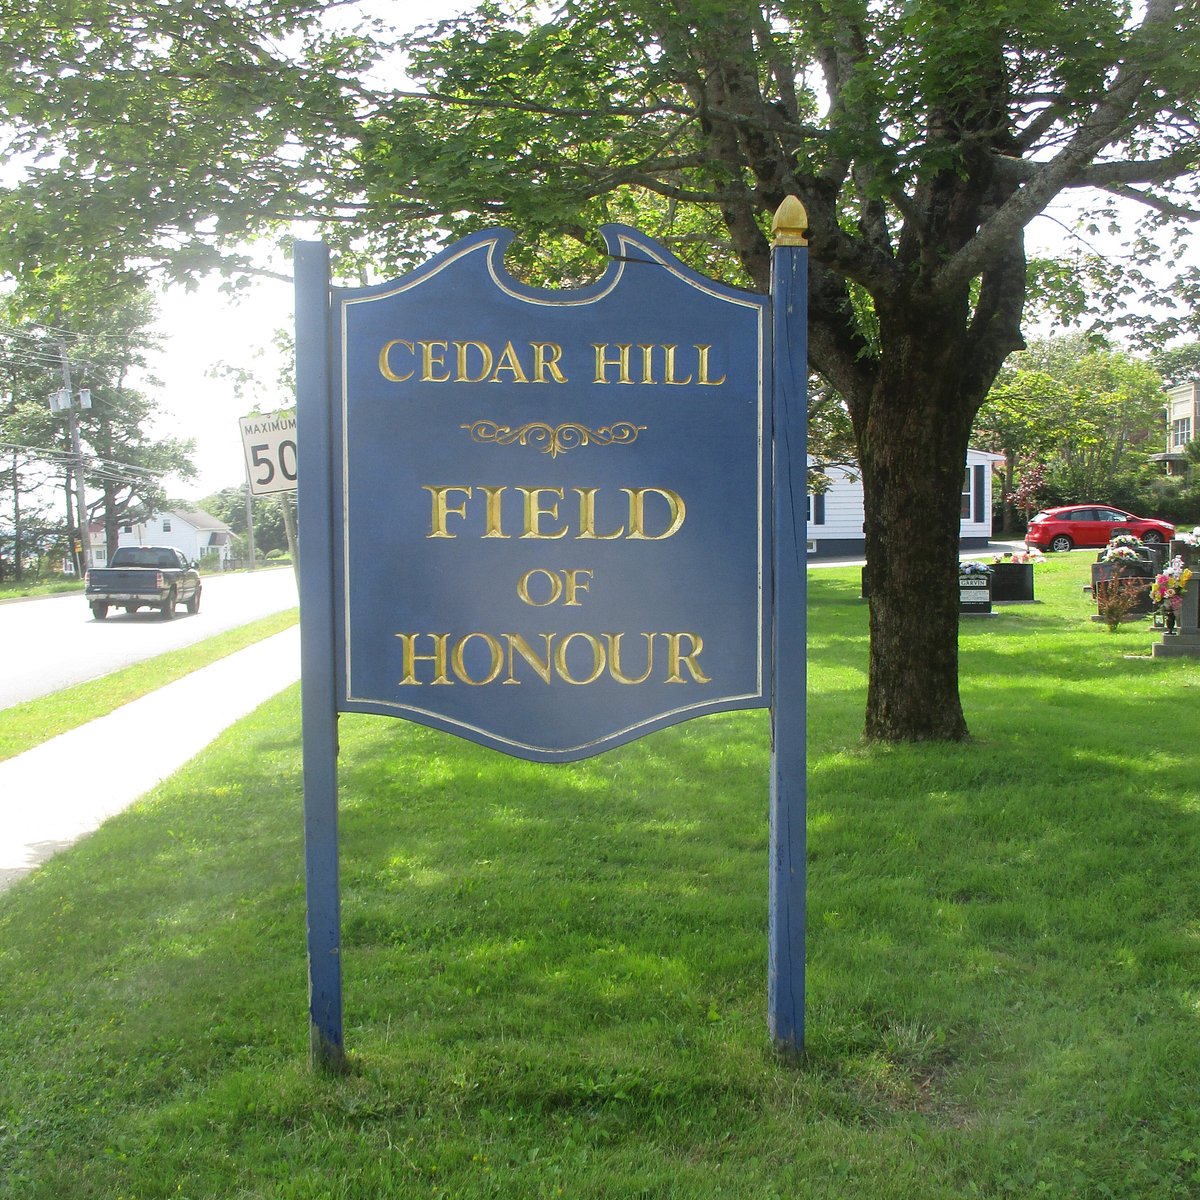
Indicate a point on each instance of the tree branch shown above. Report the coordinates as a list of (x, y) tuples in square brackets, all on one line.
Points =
[(1104, 125)]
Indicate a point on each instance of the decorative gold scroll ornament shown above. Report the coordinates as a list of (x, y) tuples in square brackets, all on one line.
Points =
[(554, 439)]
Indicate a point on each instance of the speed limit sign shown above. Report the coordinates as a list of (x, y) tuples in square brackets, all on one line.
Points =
[(269, 440)]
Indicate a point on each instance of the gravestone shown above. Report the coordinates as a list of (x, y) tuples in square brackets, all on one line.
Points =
[(974, 594), (1184, 642)]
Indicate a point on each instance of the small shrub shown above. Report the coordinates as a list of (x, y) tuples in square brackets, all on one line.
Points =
[(1116, 598)]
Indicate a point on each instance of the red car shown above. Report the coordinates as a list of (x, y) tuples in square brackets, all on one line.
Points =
[(1091, 525)]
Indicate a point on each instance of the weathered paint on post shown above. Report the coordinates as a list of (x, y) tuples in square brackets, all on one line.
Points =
[(318, 701), (789, 297)]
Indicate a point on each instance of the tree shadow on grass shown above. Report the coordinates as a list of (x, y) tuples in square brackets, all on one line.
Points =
[(588, 942)]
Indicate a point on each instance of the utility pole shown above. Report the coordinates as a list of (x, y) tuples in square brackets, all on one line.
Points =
[(250, 524), (83, 556)]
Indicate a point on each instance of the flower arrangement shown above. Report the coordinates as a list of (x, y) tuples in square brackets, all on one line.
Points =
[(1124, 548), (1189, 539), (1168, 587), (1019, 556), (974, 568)]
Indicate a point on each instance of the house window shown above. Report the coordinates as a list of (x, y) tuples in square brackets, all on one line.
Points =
[(126, 528), (1181, 432), (965, 510), (816, 508), (166, 526)]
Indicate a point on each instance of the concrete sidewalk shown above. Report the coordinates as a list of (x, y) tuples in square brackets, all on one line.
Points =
[(57, 792)]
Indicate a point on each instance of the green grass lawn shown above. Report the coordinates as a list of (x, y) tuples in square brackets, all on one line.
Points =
[(42, 587), (29, 724), (556, 976)]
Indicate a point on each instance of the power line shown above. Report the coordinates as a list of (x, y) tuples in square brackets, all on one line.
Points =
[(103, 467)]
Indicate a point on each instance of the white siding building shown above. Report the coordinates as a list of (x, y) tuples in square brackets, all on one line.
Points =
[(195, 533), (835, 518)]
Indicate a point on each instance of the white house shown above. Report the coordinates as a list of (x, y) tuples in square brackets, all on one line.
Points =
[(1183, 426), (835, 517), (195, 533)]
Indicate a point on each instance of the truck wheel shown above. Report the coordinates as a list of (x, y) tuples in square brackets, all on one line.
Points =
[(193, 604), (167, 608), (99, 610)]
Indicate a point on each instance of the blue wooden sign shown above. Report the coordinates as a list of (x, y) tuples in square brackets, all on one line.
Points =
[(540, 520), (550, 506)]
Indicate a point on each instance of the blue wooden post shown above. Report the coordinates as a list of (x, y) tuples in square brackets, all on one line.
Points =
[(789, 297), (318, 698)]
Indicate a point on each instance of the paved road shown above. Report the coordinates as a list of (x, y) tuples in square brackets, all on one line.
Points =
[(54, 643)]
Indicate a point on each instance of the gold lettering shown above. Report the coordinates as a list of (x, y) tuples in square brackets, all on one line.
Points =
[(411, 657), (433, 354), (493, 495), (614, 658), (458, 654), (637, 516), (647, 363), (546, 356), (669, 351), (675, 658), (587, 517), (534, 512), (525, 594), (504, 651), (385, 368), (604, 361), (441, 509), (464, 375), (560, 659), (576, 584), (702, 367), (521, 646), (509, 362)]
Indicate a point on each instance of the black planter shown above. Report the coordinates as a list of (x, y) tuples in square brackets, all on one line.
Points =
[(1012, 581)]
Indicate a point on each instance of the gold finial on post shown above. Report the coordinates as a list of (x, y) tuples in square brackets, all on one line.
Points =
[(790, 224)]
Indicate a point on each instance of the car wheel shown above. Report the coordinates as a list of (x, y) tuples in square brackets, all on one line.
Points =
[(1152, 537), (1061, 543), (99, 610), (193, 603), (167, 608)]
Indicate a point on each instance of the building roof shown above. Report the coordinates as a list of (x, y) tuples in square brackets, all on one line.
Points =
[(198, 519)]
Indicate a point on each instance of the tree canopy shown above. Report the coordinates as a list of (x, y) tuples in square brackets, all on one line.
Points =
[(1086, 412), (125, 465), (922, 137)]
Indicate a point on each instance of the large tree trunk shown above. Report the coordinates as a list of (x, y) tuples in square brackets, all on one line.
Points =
[(913, 450), (1009, 523)]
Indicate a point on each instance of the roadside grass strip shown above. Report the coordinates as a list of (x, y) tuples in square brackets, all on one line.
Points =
[(555, 976), (24, 726)]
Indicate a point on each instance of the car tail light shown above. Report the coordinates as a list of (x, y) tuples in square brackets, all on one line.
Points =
[(158, 580), (87, 579)]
